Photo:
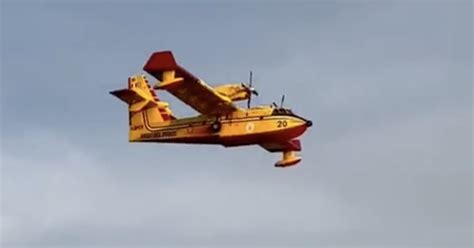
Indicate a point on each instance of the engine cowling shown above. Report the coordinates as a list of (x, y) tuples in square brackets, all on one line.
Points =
[(235, 92)]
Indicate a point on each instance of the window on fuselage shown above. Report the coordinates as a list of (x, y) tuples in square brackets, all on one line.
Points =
[(282, 111)]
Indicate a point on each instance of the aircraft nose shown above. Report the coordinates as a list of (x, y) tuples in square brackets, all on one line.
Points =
[(309, 123)]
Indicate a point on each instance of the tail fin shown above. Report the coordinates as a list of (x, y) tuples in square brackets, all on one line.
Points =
[(143, 104)]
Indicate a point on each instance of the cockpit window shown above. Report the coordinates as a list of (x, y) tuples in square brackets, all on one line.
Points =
[(282, 111)]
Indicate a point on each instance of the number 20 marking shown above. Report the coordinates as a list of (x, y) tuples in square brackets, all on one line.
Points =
[(282, 123)]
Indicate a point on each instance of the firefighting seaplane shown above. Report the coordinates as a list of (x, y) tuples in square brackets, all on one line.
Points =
[(222, 122)]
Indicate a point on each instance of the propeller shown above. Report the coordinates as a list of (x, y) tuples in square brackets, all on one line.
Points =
[(250, 90), (282, 100)]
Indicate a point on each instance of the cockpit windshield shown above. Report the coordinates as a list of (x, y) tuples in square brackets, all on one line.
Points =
[(285, 111), (282, 111)]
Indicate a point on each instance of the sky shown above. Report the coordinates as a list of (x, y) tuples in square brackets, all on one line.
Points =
[(387, 163)]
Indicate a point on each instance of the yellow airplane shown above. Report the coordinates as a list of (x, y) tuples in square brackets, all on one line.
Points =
[(220, 121)]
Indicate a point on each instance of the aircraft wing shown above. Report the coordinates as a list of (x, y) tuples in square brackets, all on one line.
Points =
[(185, 86), (290, 145), (289, 149)]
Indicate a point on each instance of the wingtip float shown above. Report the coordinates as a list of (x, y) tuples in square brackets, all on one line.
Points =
[(221, 121)]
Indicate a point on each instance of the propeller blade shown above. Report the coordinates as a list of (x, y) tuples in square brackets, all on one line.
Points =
[(282, 100), (250, 90), (250, 80)]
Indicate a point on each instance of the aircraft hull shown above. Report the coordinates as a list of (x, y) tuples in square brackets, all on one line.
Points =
[(233, 132)]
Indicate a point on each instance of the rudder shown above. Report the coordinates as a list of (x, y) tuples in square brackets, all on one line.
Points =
[(145, 109)]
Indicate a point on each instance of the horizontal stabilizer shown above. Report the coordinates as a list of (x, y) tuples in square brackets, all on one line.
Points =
[(134, 99), (127, 95)]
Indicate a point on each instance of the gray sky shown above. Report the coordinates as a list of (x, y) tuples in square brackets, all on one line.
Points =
[(388, 162)]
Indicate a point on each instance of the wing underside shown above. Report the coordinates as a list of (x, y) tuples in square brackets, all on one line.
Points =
[(289, 145), (185, 86), (288, 148)]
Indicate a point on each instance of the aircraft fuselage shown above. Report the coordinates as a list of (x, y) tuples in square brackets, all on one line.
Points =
[(244, 127)]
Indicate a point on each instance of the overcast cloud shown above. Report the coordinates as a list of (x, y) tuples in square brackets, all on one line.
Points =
[(387, 163)]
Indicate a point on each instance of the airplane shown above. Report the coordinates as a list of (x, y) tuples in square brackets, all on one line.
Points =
[(221, 121)]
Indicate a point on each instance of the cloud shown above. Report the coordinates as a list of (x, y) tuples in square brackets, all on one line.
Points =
[(67, 197), (79, 201), (387, 163)]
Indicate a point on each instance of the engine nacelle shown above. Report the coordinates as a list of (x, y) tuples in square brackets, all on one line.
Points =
[(235, 92)]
